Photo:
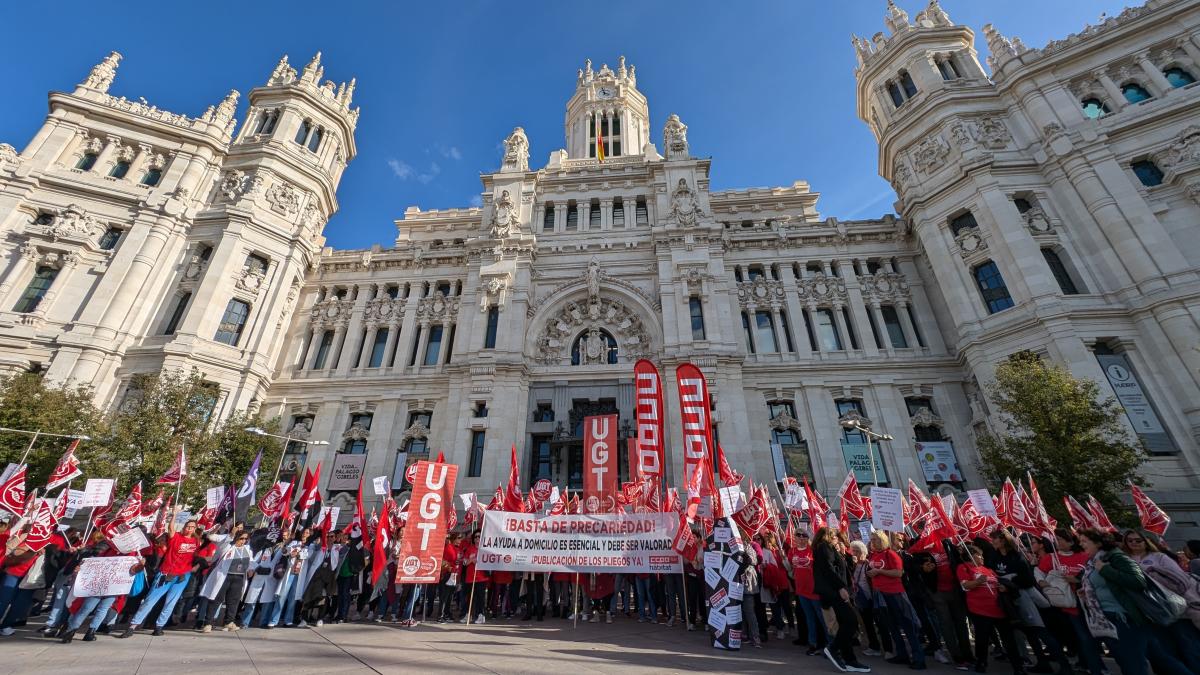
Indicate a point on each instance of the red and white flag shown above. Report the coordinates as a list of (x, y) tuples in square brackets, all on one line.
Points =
[(153, 505), (420, 560), (1153, 518), (1081, 517), (12, 492), (1013, 513), (851, 498), (1098, 514), (1041, 514), (356, 528), (694, 487), (600, 463), (918, 503), (45, 522), (383, 541), (694, 407), (67, 468), (497, 503), (650, 448), (275, 501), (817, 508), (178, 470), (513, 500), (128, 513), (728, 476), (160, 520), (752, 517)]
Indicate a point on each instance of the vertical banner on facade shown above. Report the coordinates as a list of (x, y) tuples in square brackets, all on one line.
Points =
[(600, 450), (1138, 408), (694, 405), (651, 452), (425, 534)]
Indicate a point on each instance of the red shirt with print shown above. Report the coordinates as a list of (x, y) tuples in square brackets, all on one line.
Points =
[(984, 599), (469, 554), (179, 555), (886, 560), (945, 575), (801, 560)]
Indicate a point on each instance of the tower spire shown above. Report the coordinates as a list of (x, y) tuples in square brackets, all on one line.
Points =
[(102, 74)]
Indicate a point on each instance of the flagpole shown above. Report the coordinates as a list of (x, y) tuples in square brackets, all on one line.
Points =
[(182, 456), (29, 447)]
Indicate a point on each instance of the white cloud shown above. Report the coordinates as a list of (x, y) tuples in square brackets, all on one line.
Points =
[(404, 171), (427, 177), (451, 152), (475, 200)]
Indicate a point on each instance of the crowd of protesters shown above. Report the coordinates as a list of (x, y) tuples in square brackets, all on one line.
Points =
[(1023, 604)]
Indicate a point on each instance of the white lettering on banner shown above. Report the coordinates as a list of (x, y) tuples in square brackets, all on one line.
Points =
[(593, 543), (695, 441), (98, 577), (649, 419), (599, 450)]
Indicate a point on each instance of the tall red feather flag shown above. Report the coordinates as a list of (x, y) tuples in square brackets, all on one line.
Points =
[(178, 470), (1097, 510), (816, 507), (1043, 515), (694, 408), (1153, 518), (938, 528), (694, 487), (728, 476), (513, 500), (383, 539)]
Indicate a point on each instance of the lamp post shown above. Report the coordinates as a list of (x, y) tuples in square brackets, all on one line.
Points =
[(37, 434), (286, 440), (854, 422)]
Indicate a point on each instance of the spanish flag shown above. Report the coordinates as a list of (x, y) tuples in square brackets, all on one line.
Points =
[(599, 144)]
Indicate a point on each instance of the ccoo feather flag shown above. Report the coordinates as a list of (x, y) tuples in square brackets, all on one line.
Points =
[(1153, 518), (12, 492), (67, 468), (178, 470)]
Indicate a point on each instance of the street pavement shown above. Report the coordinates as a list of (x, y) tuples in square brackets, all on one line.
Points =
[(552, 647)]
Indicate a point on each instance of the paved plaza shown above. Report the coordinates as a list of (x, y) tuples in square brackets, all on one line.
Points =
[(552, 647)]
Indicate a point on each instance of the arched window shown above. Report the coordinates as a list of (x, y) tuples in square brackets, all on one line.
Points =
[(1178, 77), (119, 169), (1134, 92), (302, 132), (894, 93), (1093, 108), (86, 162), (314, 141), (266, 123), (152, 177), (992, 287), (1147, 172), (594, 346)]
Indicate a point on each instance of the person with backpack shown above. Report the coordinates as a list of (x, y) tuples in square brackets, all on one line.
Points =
[(1180, 639)]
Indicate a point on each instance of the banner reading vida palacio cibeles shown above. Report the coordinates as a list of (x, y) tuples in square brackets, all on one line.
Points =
[(619, 542)]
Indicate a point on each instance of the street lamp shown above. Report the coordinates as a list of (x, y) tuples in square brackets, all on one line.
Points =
[(852, 421), (37, 434), (258, 431)]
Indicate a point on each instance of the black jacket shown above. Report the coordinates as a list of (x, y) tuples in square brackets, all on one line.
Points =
[(830, 573)]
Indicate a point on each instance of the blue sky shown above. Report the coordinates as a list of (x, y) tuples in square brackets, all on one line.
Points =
[(766, 88)]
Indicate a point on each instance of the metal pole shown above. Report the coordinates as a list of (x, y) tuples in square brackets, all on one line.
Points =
[(871, 455), (29, 447)]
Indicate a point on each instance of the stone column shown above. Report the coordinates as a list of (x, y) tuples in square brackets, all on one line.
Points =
[(26, 257), (110, 148), (389, 352), (812, 316), (214, 290), (584, 209), (1111, 88), (1158, 82), (560, 217), (364, 359), (858, 308), (444, 345), (629, 206), (139, 161), (355, 331), (606, 211), (795, 313), (777, 325), (910, 333), (839, 320), (335, 354), (1190, 48), (314, 344), (883, 337), (921, 307), (422, 344)]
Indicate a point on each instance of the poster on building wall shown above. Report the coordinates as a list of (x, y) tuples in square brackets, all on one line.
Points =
[(347, 470), (859, 461), (938, 462), (1138, 409)]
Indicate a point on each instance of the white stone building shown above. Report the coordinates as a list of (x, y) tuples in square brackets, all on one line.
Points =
[(1052, 206)]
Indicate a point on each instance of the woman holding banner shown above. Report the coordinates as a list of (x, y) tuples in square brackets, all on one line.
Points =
[(178, 556)]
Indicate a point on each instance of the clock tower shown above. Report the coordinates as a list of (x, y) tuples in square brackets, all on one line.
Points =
[(607, 109)]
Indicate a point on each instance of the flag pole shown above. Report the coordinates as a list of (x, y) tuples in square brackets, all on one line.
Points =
[(575, 604), (687, 617), (29, 448)]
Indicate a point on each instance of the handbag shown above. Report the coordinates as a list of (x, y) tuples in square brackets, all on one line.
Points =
[(1056, 589), (1186, 588), (1160, 606), (35, 578), (775, 578)]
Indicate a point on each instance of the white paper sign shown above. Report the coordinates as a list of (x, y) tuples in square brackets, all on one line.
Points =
[(330, 512), (214, 495), (379, 483), (982, 500), (736, 590), (97, 492), (711, 577), (716, 619), (182, 517), (104, 576), (74, 502), (729, 571), (864, 530), (712, 559), (722, 535), (887, 509), (732, 499), (733, 614), (130, 541)]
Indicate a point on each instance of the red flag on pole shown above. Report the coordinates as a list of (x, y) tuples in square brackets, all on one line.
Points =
[(178, 470), (45, 522), (66, 469), (817, 508), (1098, 514), (694, 405), (1153, 518), (421, 549), (513, 500), (355, 528), (1043, 516), (383, 540), (939, 527), (153, 505), (728, 476), (651, 451), (12, 492), (694, 487), (1080, 516), (851, 498)]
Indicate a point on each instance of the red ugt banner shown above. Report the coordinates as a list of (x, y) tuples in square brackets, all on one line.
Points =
[(650, 450), (428, 523), (694, 405), (600, 450)]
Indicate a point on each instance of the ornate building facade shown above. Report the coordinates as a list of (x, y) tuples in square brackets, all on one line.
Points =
[(1051, 206)]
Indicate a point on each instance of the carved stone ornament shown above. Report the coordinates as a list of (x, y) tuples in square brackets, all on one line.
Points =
[(901, 177), (685, 211), (516, 151), (884, 286), (992, 133), (284, 198), (504, 223), (1193, 190), (930, 154), (1183, 152), (301, 429), (784, 422), (331, 313), (8, 155), (356, 432), (416, 431), (1036, 221), (437, 308), (675, 141), (820, 288), (73, 223), (383, 310), (761, 292), (855, 415), (594, 273), (970, 241), (492, 292), (101, 77), (250, 281), (553, 345), (233, 185), (924, 417)]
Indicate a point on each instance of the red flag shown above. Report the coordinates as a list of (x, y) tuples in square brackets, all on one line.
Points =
[(817, 508), (513, 501), (1153, 518), (1012, 511), (67, 468), (441, 458), (128, 513), (973, 521), (694, 405), (275, 501), (575, 507), (919, 504), (206, 518), (1041, 514), (752, 517), (45, 522), (325, 528), (673, 502), (1098, 514), (154, 504), (938, 528), (728, 476), (851, 499), (1081, 517), (694, 487), (12, 492), (497, 503), (160, 520), (383, 541), (420, 560), (310, 490), (355, 528), (650, 415), (600, 463), (178, 470), (631, 492), (684, 538)]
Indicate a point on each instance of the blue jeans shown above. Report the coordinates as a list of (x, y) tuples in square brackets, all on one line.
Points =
[(98, 605), (286, 604), (902, 616), (414, 597), (618, 591), (248, 613), (815, 619), (646, 597), (160, 588), (58, 603), (14, 601)]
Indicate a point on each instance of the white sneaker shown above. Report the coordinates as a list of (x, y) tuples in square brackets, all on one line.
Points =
[(942, 656), (7, 631), (301, 624), (671, 622), (481, 619), (371, 615), (571, 618), (464, 619), (691, 626), (608, 619), (595, 618), (320, 622)]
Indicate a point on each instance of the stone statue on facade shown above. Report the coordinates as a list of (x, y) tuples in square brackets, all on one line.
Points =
[(675, 141), (684, 209), (516, 151), (102, 74), (227, 108), (595, 347), (504, 223), (593, 281)]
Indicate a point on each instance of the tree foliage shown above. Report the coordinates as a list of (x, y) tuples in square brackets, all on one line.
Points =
[(1058, 429)]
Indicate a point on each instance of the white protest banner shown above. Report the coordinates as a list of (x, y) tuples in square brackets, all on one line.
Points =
[(97, 492), (732, 499), (620, 542), (214, 495), (887, 510), (331, 512), (130, 541), (864, 530), (379, 484), (74, 502), (984, 506), (104, 576)]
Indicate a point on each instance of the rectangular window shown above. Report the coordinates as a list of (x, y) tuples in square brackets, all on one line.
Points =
[(874, 330), (746, 330), (475, 469), (618, 212), (827, 332), (362, 347), (541, 461), (756, 272), (177, 314), (787, 330), (851, 435), (323, 350), (696, 310), (894, 330), (641, 215), (395, 347), (544, 412), (43, 278), (594, 215), (573, 216), (1059, 270), (434, 346), (992, 288), (377, 350), (108, 240), (548, 219), (493, 323), (764, 324), (233, 323)]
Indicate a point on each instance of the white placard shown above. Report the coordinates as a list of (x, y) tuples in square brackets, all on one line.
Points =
[(722, 535), (74, 502), (732, 499), (104, 576), (182, 517), (736, 590), (887, 509), (379, 483), (97, 492), (716, 619), (984, 506), (730, 570), (711, 577), (712, 559), (733, 614), (214, 495), (130, 541), (330, 512), (864, 530)]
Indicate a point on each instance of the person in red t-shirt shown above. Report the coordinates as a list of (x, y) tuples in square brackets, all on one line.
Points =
[(885, 569), (449, 581), (950, 607), (800, 557), (983, 590), (1068, 562), (178, 550), (476, 579), (15, 601)]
